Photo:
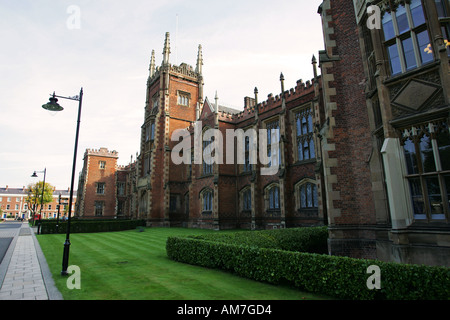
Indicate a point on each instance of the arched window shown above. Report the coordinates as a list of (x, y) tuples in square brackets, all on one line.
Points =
[(150, 131), (206, 197), (247, 164), (207, 168), (304, 134), (245, 197), (273, 197), (273, 140), (306, 195)]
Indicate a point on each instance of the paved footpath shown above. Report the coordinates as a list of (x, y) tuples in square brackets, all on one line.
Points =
[(24, 273)]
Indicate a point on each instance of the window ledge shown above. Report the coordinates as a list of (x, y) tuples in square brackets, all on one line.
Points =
[(303, 162), (307, 212), (273, 213), (209, 175), (426, 226), (407, 74)]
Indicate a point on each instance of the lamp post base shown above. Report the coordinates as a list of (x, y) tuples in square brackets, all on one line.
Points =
[(65, 263)]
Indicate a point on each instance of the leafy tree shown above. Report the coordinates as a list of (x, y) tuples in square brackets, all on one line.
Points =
[(34, 197)]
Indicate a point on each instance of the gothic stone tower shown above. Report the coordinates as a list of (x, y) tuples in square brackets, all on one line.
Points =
[(174, 98)]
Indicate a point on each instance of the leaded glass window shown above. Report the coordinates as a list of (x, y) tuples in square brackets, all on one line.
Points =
[(427, 157), (406, 37), (305, 134)]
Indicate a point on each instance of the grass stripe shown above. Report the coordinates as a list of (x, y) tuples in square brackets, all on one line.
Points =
[(134, 265)]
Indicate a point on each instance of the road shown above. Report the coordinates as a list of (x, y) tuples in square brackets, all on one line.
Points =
[(8, 230)]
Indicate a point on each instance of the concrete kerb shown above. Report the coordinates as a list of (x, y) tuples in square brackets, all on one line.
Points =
[(7, 259)]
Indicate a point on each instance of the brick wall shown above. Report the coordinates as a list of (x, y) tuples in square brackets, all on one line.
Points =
[(348, 142), (95, 174)]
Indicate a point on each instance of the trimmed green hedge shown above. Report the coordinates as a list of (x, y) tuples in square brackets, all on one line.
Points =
[(89, 226), (341, 277), (313, 239)]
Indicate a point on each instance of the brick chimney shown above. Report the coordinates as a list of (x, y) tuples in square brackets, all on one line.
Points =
[(249, 102)]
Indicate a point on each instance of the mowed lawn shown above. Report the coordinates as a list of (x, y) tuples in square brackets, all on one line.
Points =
[(132, 265)]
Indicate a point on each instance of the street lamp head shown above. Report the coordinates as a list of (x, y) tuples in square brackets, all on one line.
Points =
[(53, 104), (34, 175)]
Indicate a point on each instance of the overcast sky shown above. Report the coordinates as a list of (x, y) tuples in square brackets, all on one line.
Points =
[(46, 48)]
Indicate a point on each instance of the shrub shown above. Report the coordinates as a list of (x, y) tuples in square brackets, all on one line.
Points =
[(340, 277), (89, 226), (313, 239)]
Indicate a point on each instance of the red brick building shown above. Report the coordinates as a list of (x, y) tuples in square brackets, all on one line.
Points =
[(14, 204), (228, 195), (126, 191), (97, 186)]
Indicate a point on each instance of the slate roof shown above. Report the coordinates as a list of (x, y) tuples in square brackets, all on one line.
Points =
[(229, 110), (6, 191)]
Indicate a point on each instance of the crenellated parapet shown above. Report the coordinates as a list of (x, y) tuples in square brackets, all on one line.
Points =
[(184, 70), (251, 106), (103, 152)]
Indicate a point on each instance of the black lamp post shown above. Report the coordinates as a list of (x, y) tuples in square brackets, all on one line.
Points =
[(34, 175), (57, 217), (54, 106), (34, 205)]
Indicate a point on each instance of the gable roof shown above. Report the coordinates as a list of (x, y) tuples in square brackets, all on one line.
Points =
[(209, 108)]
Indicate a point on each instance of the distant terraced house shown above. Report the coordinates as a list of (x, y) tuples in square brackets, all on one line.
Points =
[(13, 204)]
